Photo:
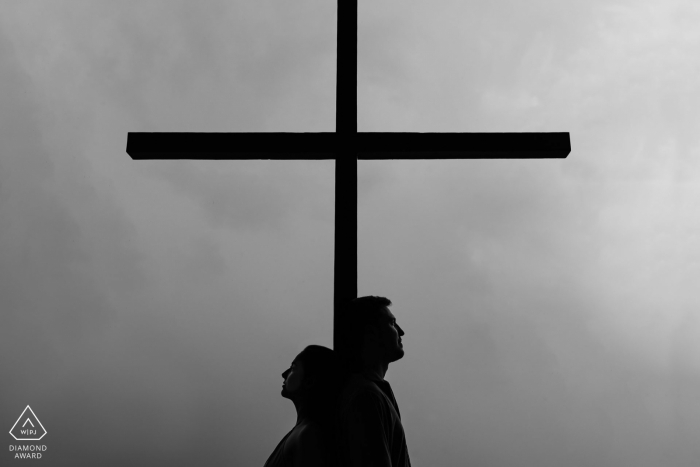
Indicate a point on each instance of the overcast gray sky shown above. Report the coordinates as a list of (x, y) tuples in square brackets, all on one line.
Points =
[(149, 308)]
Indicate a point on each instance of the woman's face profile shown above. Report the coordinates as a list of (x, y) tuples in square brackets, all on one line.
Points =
[(293, 378)]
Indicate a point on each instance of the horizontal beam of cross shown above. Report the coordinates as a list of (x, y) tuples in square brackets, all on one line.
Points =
[(367, 145), (346, 146)]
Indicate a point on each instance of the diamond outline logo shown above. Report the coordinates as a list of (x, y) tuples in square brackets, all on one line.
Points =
[(35, 418)]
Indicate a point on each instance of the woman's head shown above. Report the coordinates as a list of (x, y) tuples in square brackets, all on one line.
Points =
[(313, 380), (293, 379)]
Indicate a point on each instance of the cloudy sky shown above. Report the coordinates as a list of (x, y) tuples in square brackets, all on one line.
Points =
[(149, 308)]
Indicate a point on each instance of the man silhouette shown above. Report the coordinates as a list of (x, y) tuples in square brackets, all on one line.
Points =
[(369, 429), (311, 383)]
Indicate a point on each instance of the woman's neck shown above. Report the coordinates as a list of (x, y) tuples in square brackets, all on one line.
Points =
[(302, 412)]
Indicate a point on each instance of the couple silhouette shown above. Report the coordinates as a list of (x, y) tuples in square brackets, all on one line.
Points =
[(347, 415)]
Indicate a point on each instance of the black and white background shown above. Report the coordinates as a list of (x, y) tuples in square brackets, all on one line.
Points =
[(149, 308)]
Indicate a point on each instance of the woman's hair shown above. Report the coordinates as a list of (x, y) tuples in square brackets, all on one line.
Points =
[(321, 399), (354, 316)]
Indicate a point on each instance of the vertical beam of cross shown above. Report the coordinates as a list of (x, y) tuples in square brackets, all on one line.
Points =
[(345, 244), (346, 146)]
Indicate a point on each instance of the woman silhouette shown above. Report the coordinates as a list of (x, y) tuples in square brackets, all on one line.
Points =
[(312, 383)]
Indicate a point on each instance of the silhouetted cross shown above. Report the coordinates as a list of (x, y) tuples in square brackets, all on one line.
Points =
[(346, 146)]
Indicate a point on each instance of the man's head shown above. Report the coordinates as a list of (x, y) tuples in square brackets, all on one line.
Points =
[(369, 332)]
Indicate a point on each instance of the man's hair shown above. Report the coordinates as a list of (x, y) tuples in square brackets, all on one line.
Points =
[(354, 316)]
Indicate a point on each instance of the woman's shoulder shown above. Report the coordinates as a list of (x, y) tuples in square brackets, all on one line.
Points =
[(309, 445), (310, 430), (306, 433)]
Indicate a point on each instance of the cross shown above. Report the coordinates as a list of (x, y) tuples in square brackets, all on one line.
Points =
[(346, 146)]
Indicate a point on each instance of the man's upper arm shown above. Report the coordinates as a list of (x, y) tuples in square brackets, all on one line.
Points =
[(368, 441)]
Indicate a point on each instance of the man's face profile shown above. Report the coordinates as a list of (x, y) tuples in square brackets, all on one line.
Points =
[(386, 335)]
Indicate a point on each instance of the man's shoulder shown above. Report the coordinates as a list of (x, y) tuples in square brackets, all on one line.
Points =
[(361, 392), (357, 384)]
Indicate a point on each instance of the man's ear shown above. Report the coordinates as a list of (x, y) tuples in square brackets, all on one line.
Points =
[(371, 333)]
